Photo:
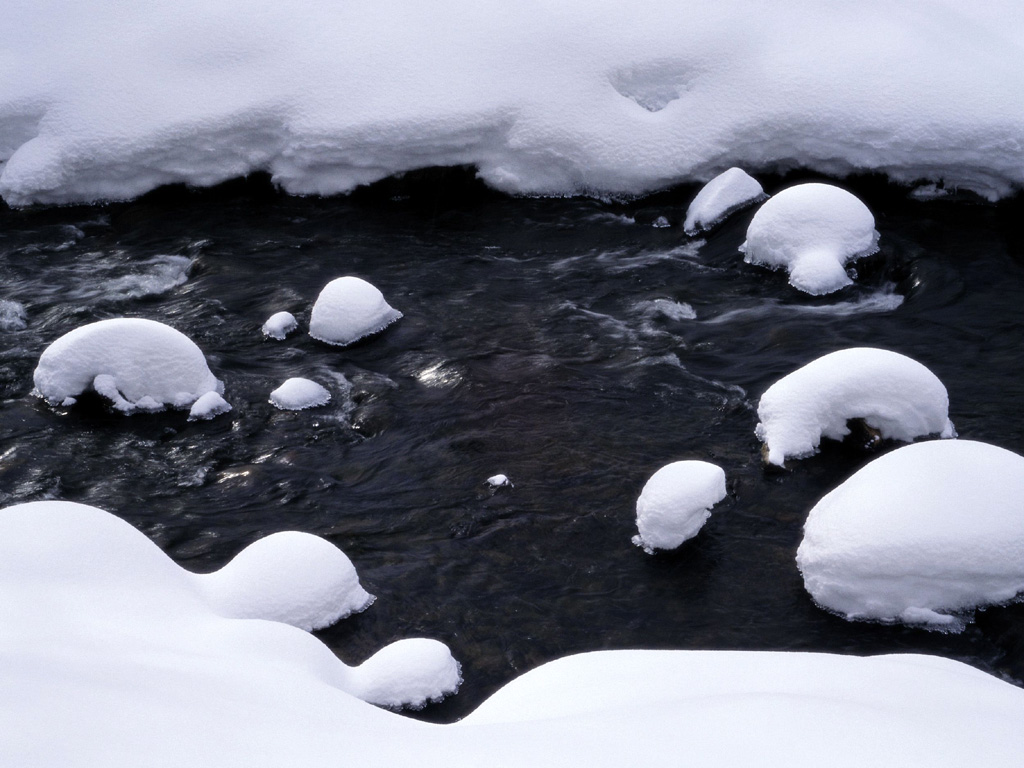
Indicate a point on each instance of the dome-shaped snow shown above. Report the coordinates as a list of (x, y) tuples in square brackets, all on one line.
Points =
[(297, 394), (137, 364), (279, 325), (812, 230), (407, 673), (929, 528), (349, 309), (676, 502), (292, 577), (893, 394), (726, 193), (208, 406)]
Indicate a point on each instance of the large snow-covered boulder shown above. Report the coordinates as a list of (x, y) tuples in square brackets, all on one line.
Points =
[(137, 364), (728, 192), (812, 231), (894, 395), (676, 502), (920, 535), (349, 309)]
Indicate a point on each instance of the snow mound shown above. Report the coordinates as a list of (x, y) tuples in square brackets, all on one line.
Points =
[(727, 193), (499, 481), (139, 365), (811, 230), (297, 394), (12, 316), (291, 577), (894, 395), (349, 309), (676, 502), (919, 535), (279, 325), (208, 406), (408, 673)]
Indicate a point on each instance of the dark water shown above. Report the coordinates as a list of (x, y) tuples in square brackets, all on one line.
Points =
[(550, 340)]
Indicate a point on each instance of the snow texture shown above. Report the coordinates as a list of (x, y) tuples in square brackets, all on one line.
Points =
[(97, 102), (279, 325), (349, 309), (920, 535), (208, 406), (728, 192), (297, 394), (139, 365), (897, 396), (499, 481), (676, 502), (811, 230)]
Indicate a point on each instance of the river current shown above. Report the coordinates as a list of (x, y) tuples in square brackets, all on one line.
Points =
[(574, 345)]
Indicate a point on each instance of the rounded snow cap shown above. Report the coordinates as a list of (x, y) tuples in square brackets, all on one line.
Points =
[(812, 230), (676, 502), (279, 325), (297, 394), (728, 192), (349, 309)]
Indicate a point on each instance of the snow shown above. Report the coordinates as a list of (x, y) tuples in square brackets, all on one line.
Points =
[(208, 406), (279, 325), (297, 394), (811, 230), (499, 481), (112, 655), (728, 192), (920, 535), (137, 364), (12, 316), (676, 502), (96, 102), (897, 396), (349, 309)]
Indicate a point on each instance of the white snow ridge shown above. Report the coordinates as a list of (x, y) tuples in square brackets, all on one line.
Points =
[(811, 230), (726, 193), (676, 502), (139, 365), (897, 396), (919, 535), (349, 309)]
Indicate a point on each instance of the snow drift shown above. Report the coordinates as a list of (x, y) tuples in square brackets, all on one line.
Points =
[(102, 101)]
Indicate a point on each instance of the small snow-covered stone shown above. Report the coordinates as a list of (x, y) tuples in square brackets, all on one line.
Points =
[(137, 364), (676, 502), (279, 325), (893, 394), (349, 309), (407, 673), (727, 193), (919, 535), (812, 230), (297, 394), (499, 481), (208, 406)]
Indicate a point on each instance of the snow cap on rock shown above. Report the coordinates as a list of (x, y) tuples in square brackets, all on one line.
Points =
[(676, 502), (349, 309)]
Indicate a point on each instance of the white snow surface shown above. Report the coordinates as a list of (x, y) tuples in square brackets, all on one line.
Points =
[(279, 325), (297, 394), (499, 481), (920, 535), (97, 101), (137, 364), (726, 193), (676, 502), (812, 231), (893, 394), (208, 406), (111, 655), (349, 309)]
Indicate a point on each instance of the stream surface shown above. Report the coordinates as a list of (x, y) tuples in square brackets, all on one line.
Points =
[(574, 345)]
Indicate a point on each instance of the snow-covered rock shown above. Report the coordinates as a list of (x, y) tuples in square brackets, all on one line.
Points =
[(137, 364), (552, 99), (676, 502), (499, 481), (894, 395), (279, 325), (208, 406), (297, 394), (812, 231), (407, 673), (292, 577), (919, 535), (349, 309), (728, 192)]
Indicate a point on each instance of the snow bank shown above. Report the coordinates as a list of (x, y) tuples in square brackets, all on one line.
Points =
[(97, 102), (112, 656), (279, 325), (349, 309), (139, 365), (676, 502), (297, 394), (726, 193), (919, 535), (811, 230), (894, 395)]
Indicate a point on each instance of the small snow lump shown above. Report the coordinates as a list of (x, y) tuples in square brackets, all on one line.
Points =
[(208, 407), (407, 673), (727, 193), (676, 502), (812, 230), (279, 325), (297, 394), (349, 309)]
